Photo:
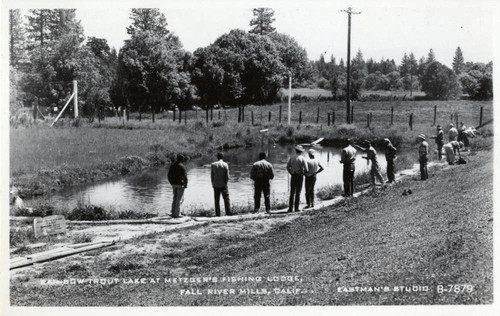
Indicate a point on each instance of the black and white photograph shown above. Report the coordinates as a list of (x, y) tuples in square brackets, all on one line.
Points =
[(271, 154)]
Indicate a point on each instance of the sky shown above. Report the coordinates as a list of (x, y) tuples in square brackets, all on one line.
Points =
[(384, 29)]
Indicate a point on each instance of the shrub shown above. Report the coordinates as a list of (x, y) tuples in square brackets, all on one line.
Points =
[(329, 192)]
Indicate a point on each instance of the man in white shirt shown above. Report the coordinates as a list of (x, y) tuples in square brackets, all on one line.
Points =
[(297, 167), (348, 157), (313, 168)]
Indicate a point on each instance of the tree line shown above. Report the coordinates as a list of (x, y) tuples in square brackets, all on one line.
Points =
[(153, 72), (427, 74)]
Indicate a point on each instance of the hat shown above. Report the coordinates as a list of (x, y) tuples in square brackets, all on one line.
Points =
[(438, 127), (180, 157), (299, 148), (451, 124), (366, 141), (311, 151), (387, 140), (421, 136)]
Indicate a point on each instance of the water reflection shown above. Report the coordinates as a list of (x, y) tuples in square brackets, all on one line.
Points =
[(150, 191)]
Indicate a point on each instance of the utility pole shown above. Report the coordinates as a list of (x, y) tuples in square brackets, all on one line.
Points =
[(411, 79), (348, 109), (289, 96)]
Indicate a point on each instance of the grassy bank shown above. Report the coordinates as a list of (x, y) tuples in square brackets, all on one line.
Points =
[(441, 234), (44, 159)]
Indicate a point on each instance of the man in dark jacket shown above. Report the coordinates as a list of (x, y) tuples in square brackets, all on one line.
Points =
[(177, 177), (261, 173), (390, 156)]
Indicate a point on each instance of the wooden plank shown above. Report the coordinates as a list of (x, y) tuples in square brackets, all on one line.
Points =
[(22, 262)]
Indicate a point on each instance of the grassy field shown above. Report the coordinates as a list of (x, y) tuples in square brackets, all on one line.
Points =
[(44, 159), (440, 235)]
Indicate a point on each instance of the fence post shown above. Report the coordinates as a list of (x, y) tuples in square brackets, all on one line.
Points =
[(185, 118), (252, 116), (206, 114), (219, 115), (279, 120), (260, 117), (481, 117), (371, 117), (153, 111), (328, 119), (333, 118), (411, 121), (269, 116), (368, 120), (174, 115), (243, 113), (451, 117), (456, 119), (180, 116), (435, 111), (392, 115), (239, 113), (212, 113), (300, 117), (352, 113), (35, 109), (317, 116)]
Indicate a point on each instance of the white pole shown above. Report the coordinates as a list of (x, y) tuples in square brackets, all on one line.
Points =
[(75, 100), (289, 97)]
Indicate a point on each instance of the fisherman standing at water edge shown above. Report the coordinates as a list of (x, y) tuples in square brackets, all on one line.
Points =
[(439, 141), (423, 151), (261, 173), (220, 176), (313, 168), (390, 156), (347, 158), (452, 133), (371, 155), (297, 167), (177, 177)]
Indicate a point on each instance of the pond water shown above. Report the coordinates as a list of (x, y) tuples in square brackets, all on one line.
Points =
[(150, 191)]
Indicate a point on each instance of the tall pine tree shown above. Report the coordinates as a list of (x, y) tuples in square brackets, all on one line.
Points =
[(263, 18), (458, 61), (151, 20), (17, 37)]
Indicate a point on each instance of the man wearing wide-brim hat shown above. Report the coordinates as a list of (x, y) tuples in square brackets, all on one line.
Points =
[(423, 152), (297, 167)]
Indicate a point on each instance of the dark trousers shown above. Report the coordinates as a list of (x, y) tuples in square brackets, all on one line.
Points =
[(295, 188), (390, 170), (348, 179), (262, 186), (423, 170), (440, 151), (225, 195), (310, 182)]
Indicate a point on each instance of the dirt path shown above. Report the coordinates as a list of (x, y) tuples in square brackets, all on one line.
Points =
[(439, 235)]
